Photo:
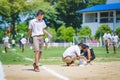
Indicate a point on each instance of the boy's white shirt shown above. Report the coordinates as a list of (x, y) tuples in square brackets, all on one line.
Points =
[(6, 39), (72, 51), (107, 36), (115, 38), (37, 27)]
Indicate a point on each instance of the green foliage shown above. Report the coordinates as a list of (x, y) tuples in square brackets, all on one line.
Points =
[(21, 28), (1, 34), (118, 31), (101, 30), (65, 34), (85, 31), (66, 9), (13, 8), (69, 33), (95, 2), (61, 33)]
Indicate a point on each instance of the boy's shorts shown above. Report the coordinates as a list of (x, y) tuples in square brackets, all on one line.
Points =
[(107, 42), (6, 44), (38, 43), (115, 44)]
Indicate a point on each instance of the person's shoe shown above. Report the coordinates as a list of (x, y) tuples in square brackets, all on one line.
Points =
[(37, 69)]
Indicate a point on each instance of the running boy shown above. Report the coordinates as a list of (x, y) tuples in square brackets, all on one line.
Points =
[(6, 42), (115, 40), (107, 40)]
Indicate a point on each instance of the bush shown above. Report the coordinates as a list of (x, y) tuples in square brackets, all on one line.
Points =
[(65, 34), (118, 31), (1, 35), (69, 33), (85, 31), (101, 30)]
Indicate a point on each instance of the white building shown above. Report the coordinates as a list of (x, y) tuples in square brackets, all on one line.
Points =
[(97, 15)]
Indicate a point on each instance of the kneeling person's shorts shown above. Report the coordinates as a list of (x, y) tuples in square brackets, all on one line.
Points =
[(69, 59)]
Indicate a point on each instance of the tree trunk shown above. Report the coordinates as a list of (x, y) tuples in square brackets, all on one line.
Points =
[(13, 31)]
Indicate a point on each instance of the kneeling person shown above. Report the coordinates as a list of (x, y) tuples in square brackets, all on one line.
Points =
[(88, 53), (72, 54)]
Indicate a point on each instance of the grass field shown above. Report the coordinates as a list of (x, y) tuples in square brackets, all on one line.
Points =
[(52, 55)]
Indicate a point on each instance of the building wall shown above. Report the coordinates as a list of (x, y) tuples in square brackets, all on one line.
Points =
[(95, 23), (112, 1), (94, 26)]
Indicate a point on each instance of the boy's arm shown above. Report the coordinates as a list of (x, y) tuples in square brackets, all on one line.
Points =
[(89, 55), (47, 33)]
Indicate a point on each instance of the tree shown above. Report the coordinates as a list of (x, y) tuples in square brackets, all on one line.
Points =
[(101, 30), (69, 33), (65, 34), (61, 33), (1, 34), (10, 10), (94, 2), (22, 27), (118, 31), (67, 12), (85, 31)]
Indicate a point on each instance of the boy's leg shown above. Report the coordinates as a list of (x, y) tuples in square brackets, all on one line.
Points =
[(37, 53), (23, 47), (6, 46), (38, 44), (114, 47), (6, 49), (107, 46)]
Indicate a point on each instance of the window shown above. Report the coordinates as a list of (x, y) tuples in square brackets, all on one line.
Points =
[(91, 17), (118, 16), (106, 17)]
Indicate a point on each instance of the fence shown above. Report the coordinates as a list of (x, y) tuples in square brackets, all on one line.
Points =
[(70, 44)]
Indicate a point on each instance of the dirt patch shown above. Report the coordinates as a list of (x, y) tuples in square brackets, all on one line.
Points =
[(96, 71)]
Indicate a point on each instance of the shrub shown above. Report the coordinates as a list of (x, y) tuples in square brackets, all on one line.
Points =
[(85, 31), (118, 31), (101, 30)]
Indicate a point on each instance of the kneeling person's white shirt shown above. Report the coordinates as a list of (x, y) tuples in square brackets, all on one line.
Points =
[(72, 51)]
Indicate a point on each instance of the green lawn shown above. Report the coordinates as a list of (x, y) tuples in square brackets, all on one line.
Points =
[(51, 55)]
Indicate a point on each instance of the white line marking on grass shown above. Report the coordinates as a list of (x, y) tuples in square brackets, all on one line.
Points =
[(2, 76), (55, 73), (49, 70)]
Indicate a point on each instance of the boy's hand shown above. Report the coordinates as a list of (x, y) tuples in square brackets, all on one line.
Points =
[(49, 35)]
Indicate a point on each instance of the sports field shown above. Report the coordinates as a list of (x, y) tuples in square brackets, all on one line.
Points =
[(18, 65)]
